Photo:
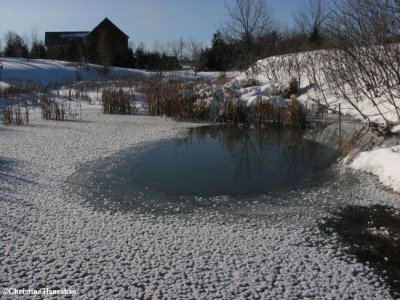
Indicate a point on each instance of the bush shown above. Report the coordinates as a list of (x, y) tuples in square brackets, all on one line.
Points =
[(291, 89), (116, 101), (14, 115), (52, 110), (294, 114), (265, 112)]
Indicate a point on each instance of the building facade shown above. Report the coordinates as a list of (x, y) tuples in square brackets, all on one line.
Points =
[(106, 44)]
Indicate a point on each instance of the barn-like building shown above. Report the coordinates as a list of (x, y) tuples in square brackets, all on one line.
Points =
[(105, 44)]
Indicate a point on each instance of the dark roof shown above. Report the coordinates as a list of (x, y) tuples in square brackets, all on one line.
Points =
[(106, 22), (63, 38)]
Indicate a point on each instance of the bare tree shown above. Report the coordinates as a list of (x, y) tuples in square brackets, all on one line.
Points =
[(176, 48), (365, 66), (312, 15), (159, 47), (195, 50), (248, 21)]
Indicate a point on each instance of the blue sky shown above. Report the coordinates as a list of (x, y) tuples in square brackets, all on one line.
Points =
[(143, 20)]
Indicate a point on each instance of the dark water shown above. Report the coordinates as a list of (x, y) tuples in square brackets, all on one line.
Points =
[(215, 161), (209, 162)]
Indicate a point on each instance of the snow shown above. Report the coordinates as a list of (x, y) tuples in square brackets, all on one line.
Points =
[(60, 72), (52, 237), (384, 163)]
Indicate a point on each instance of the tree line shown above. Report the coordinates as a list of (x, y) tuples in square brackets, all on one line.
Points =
[(251, 33)]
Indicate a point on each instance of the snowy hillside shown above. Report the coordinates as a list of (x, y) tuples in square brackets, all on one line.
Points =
[(52, 71)]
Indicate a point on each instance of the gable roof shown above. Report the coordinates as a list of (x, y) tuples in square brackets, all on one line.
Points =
[(106, 22), (63, 38)]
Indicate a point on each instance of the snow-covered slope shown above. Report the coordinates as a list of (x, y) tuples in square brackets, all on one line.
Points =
[(52, 71)]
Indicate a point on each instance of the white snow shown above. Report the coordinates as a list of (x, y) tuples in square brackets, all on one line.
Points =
[(51, 238), (384, 163), (60, 72)]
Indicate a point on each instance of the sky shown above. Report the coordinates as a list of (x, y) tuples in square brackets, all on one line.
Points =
[(142, 20)]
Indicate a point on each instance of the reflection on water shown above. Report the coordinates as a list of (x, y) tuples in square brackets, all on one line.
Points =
[(212, 166), (220, 160)]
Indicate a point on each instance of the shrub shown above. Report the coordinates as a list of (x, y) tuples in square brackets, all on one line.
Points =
[(346, 146), (291, 89), (294, 114), (14, 115), (116, 101), (265, 112), (222, 79), (53, 110)]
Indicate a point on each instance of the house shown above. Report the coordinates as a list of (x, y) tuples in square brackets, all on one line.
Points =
[(106, 44), (60, 45)]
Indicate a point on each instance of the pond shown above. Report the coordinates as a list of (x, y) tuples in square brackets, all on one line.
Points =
[(214, 161), (209, 162)]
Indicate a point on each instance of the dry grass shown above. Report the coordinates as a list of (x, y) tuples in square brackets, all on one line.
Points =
[(265, 112), (222, 79), (293, 114), (53, 110), (346, 146), (15, 115), (116, 101)]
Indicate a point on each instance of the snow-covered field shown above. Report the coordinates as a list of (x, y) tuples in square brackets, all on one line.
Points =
[(59, 72), (52, 238)]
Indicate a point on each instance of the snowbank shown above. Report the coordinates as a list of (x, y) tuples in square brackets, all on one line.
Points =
[(384, 163)]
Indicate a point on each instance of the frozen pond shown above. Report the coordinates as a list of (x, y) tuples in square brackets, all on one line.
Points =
[(227, 160), (210, 167)]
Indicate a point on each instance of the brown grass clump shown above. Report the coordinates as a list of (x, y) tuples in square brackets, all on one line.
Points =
[(53, 110), (15, 115), (116, 101), (346, 146), (222, 79), (294, 114), (265, 112)]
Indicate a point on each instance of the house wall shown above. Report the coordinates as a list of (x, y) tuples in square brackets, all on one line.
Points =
[(106, 35)]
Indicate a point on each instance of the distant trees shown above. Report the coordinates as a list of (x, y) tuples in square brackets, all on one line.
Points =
[(311, 19), (37, 49), (248, 21), (154, 60), (195, 52), (15, 46), (218, 56), (251, 34)]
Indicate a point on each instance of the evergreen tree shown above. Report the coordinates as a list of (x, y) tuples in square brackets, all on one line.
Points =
[(38, 50), (315, 38), (218, 56), (15, 46)]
